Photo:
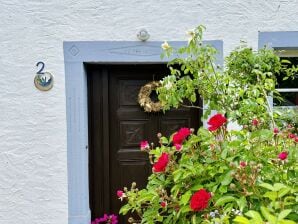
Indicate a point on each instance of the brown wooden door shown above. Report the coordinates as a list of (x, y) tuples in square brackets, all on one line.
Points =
[(117, 124)]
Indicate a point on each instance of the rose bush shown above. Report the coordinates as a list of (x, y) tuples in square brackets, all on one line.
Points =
[(220, 175)]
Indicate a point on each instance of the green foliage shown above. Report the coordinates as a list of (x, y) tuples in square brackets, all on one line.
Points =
[(251, 173), (240, 89), (287, 116)]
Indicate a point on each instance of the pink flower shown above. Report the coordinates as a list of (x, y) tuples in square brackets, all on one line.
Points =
[(163, 204), (144, 145), (255, 122), (161, 164), (283, 155), (296, 139), (121, 195), (242, 164), (216, 121), (111, 219), (275, 130)]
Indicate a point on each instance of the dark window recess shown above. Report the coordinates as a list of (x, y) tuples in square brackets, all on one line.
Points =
[(289, 98)]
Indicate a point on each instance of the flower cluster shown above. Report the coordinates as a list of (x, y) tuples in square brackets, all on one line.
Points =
[(106, 219), (208, 173)]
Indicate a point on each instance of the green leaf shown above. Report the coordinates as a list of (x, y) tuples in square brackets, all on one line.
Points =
[(278, 186), (284, 214), (285, 61), (159, 218), (194, 219), (271, 195), (185, 209), (177, 174), (255, 216), (283, 192), (242, 203), (271, 218), (260, 101), (196, 187), (227, 178), (225, 199), (124, 209), (267, 186), (185, 198), (241, 220), (224, 153), (164, 140), (223, 189)]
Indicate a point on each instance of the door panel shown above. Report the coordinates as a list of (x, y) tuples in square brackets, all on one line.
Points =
[(117, 124)]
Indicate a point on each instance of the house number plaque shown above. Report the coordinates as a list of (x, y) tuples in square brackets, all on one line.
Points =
[(43, 80)]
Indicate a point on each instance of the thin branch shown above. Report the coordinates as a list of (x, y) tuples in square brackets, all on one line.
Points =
[(192, 106)]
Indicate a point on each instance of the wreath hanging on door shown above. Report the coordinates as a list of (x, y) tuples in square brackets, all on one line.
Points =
[(144, 97)]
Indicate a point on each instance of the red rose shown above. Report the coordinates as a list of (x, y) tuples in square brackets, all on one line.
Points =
[(161, 164), (181, 135), (178, 139), (216, 121), (283, 155), (185, 132), (275, 130), (199, 200)]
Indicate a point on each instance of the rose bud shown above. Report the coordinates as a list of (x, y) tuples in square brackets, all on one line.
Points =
[(283, 155), (255, 122), (163, 204), (242, 164), (144, 145)]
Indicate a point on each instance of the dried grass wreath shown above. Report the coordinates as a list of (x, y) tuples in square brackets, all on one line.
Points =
[(145, 100)]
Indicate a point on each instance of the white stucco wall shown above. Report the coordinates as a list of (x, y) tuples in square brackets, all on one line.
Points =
[(33, 161)]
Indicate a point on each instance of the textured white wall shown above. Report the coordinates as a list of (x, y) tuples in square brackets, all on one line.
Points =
[(33, 162)]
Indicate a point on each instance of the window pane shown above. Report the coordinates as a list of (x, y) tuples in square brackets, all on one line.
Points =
[(289, 99), (289, 83)]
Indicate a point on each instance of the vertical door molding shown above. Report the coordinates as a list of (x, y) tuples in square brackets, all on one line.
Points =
[(102, 52)]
